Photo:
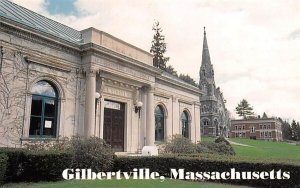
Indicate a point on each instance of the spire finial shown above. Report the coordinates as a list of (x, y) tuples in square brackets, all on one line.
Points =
[(204, 31)]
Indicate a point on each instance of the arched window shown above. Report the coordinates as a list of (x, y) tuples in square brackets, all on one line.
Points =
[(43, 118), (205, 122), (185, 124), (159, 124)]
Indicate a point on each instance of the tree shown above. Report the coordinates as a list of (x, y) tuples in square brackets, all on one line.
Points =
[(244, 109), (286, 130), (171, 70), (188, 79), (158, 47), (295, 129)]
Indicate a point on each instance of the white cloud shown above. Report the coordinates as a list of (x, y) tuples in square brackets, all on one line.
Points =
[(254, 45)]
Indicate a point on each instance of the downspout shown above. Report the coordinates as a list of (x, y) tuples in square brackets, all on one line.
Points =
[(25, 102), (1, 60)]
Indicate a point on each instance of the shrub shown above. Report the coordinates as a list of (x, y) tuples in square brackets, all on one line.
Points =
[(180, 144), (223, 149), (220, 148), (162, 165), (15, 161), (222, 139), (203, 147), (60, 145), (91, 153), (24, 165), (3, 166), (45, 166)]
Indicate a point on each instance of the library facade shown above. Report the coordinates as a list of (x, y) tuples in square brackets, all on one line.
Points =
[(57, 82)]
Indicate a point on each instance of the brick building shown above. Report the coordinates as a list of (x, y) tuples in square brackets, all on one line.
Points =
[(263, 129)]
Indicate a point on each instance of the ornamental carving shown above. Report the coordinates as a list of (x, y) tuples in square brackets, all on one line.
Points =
[(121, 68), (118, 92), (161, 99), (184, 105)]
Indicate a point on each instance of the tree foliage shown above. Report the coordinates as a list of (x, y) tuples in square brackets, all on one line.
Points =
[(188, 79), (286, 130), (244, 109), (159, 47), (295, 129), (171, 70)]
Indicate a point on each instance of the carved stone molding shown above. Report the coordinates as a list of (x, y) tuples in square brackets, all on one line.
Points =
[(117, 92), (117, 67), (161, 99), (37, 39)]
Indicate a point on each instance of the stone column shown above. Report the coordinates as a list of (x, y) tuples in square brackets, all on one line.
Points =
[(89, 116), (150, 126)]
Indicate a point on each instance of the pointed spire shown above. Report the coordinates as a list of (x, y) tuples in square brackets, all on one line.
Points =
[(205, 51)]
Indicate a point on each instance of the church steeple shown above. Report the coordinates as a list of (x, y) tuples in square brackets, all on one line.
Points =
[(205, 51)]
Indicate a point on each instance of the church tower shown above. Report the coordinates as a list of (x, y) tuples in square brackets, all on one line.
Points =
[(214, 115)]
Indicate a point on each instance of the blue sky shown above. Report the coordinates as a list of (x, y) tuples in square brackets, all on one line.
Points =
[(65, 7)]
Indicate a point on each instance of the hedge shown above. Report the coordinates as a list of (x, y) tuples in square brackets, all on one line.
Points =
[(25, 165), (15, 161), (45, 166), (162, 165), (3, 165)]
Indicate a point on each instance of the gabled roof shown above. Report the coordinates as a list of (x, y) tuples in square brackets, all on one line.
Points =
[(36, 21)]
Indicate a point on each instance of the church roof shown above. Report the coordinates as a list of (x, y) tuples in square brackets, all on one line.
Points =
[(205, 51), (36, 21)]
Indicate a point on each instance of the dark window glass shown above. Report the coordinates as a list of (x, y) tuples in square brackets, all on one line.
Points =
[(43, 110), (159, 123), (48, 128), (35, 126), (49, 107), (36, 105), (185, 124)]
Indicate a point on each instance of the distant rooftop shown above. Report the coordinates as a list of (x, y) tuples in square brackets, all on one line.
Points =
[(36, 21)]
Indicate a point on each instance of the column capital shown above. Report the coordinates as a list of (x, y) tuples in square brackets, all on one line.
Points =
[(150, 88), (90, 72)]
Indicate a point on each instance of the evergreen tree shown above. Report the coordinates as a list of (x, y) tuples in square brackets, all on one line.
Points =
[(158, 47), (188, 79), (298, 125), (171, 70), (295, 129), (286, 130), (244, 109)]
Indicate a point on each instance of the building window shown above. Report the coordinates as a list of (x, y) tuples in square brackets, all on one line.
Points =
[(43, 118), (270, 134), (205, 122), (185, 124), (252, 129), (159, 124)]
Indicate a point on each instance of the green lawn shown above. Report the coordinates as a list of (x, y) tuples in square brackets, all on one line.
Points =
[(120, 183), (279, 152), (266, 149), (208, 138)]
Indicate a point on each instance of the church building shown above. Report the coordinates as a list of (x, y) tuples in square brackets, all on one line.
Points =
[(214, 115), (57, 82)]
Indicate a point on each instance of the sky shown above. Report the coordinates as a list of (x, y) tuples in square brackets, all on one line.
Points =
[(254, 45)]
